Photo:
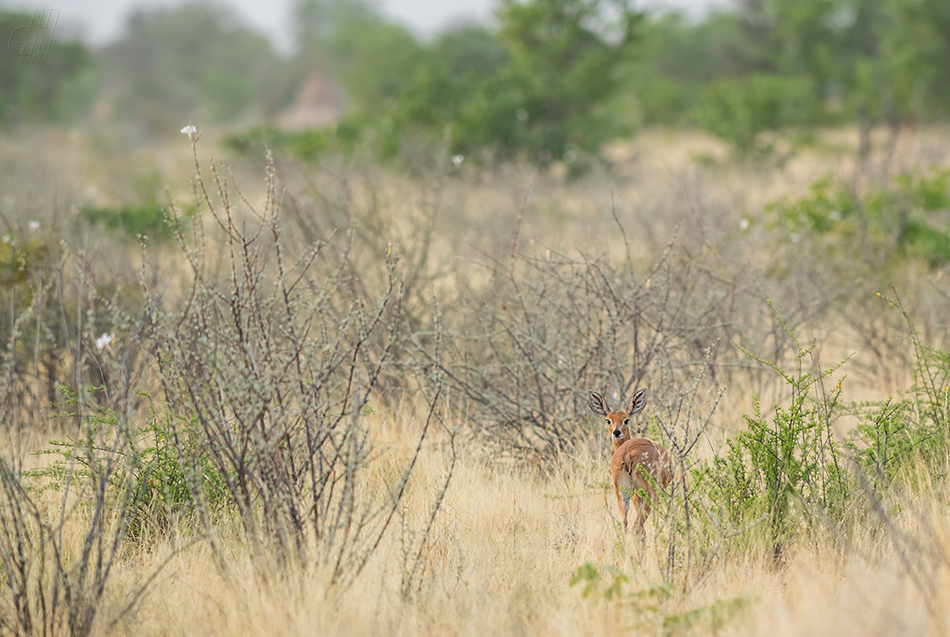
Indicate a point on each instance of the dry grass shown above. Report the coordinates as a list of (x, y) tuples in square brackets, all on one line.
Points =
[(504, 551)]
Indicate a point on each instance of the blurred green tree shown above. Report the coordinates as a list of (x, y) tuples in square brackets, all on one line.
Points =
[(739, 110), (49, 80), (375, 59), (678, 58), (916, 45), (566, 63), (558, 78), (537, 89), (449, 90), (192, 62)]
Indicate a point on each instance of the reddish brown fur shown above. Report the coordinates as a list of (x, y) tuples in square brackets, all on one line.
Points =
[(638, 463)]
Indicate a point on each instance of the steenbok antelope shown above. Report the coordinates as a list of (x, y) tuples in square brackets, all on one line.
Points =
[(638, 463)]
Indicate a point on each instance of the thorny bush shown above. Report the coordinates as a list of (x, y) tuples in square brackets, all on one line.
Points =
[(525, 348), (270, 365)]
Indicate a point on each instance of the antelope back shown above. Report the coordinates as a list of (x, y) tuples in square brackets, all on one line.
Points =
[(639, 456)]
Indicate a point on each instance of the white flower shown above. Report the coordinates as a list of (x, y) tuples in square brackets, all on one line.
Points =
[(743, 224), (457, 160), (33, 225), (105, 340), (189, 130), (5, 238)]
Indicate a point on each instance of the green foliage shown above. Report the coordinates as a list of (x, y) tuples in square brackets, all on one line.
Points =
[(82, 448), (788, 472), (756, 68), (458, 88), (593, 578), (167, 455), (559, 78), (884, 441), (345, 137), (801, 36), (375, 59), (679, 58), (883, 225), (894, 436), (739, 111), (875, 60), (538, 89), (787, 469), (920, 239), (916, 55), (42, 75), (146, 220), (647, 606), (193, 62), (146, 217), (607, 582), (19, 259), (820, 211), (708, 619), (154, 483), (927, 193), (566, 57)]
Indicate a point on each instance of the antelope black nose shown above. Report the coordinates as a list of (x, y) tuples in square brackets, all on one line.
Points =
[(617, 433)]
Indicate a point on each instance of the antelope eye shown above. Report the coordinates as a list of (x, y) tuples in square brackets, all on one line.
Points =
[(608, 422), (626, 421)]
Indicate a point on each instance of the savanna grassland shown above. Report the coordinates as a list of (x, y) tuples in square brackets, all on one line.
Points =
[(262, 397)]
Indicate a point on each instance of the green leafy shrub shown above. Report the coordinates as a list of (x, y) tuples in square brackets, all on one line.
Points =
[(152, 483), (789, 472), (61, 586), (168, 453), (647, 607), (906, 219), (345, 137), (786, 469), (895, 435), (146, 220)]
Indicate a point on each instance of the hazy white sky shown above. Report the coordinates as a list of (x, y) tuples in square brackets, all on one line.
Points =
[(102, 20)]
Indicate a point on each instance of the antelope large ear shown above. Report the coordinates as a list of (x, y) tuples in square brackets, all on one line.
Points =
[(597, 404), (637, 402)]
